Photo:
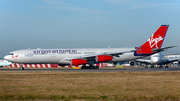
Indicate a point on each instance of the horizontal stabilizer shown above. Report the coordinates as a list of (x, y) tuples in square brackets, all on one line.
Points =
[(155, 50)]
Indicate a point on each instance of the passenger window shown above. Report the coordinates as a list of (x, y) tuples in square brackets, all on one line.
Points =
[(28, 54)]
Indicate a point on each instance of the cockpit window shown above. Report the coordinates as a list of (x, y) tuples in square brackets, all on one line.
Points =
[(10, 54)]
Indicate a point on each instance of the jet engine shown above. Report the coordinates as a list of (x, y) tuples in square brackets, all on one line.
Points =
[(132, 63), (78, 62), (103, 58), (179, 62)]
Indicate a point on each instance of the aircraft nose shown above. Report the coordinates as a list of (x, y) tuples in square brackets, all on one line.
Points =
[(7, 57)]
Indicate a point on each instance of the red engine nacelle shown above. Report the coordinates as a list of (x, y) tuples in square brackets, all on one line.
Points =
[(78, 62), (103, 58)]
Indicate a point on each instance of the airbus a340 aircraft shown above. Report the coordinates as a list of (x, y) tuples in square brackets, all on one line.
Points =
[(157, 59), (91, 56)]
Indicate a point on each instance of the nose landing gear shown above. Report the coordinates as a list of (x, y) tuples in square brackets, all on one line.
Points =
[(22, 68)]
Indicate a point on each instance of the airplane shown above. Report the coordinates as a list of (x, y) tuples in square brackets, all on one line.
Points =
[(87, 57), (157, 59), (4, 63), (174, 57)]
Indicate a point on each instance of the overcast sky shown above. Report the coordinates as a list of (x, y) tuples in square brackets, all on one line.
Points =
[(86, 23)]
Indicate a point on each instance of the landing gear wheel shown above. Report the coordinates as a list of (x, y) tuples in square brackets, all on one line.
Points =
[(146, 66), (89, 67), (83, 67), (166, 66), (160, 66), (96, 67), (22, 68)]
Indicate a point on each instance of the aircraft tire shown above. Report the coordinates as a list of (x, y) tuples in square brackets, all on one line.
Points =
[(166, 66), (96, 67), (83, 67), (89, 67), (22, 68), (160, 66)]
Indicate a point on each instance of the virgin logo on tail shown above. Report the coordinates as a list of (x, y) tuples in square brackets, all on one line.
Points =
[(154, 41)]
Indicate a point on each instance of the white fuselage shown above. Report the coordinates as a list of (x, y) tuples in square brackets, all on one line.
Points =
[(156, 58), (33, 56), (4, 63), (170, 57)]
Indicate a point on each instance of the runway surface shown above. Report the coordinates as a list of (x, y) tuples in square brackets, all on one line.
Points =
[(98, 70)]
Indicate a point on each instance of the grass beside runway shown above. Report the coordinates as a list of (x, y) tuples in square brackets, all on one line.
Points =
[(46, 85)]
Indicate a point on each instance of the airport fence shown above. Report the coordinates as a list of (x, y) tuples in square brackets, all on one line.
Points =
[(16, 65)]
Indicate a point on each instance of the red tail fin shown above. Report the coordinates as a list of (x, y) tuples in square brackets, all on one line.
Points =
[(155, 41)]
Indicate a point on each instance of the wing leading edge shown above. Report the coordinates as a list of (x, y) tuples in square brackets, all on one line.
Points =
[(86, 57)]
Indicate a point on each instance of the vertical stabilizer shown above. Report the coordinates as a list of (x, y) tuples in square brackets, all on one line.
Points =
[(155, 41)]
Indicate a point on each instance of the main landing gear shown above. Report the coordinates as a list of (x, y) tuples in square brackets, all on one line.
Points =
[(166, 66), (150, 67), (157, 66), (163, 66), (89, 67)]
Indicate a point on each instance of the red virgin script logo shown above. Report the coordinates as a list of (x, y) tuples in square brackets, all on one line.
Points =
[(154, 41), (15, 57)]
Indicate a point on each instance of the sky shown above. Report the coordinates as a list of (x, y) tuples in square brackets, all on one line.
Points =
[(86, 23)]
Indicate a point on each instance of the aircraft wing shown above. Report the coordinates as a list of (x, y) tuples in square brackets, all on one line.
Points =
[(162, 49), (86, 57), (167, 61)]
